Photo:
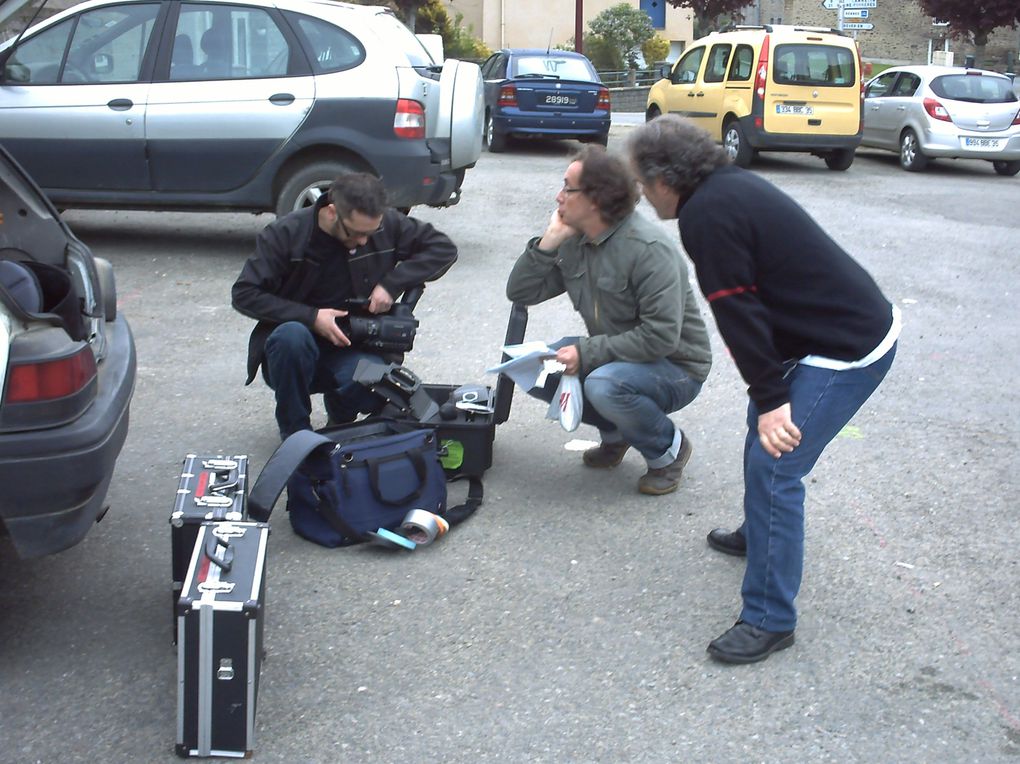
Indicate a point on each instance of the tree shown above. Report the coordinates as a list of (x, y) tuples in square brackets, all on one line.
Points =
[(974, 20), (625, 28), (708, 12), (458, 42), (655, 49)]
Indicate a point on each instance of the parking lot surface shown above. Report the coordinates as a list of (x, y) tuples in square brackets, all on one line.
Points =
[(567, 620)]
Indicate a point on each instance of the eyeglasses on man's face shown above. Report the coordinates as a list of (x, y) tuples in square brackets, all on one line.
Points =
[(571, 190)]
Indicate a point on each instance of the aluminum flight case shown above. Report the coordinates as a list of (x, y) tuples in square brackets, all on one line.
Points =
[(212, 487), (220, 627)]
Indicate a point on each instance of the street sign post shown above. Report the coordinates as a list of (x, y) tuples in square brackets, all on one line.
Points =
[(833, 5), (857, 25), (855, 13)]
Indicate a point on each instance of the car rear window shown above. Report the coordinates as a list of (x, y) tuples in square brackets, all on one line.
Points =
[(814, 65), (976, 88), (555, 67)]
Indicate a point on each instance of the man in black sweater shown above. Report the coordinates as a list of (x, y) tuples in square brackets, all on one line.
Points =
[(306, 266), (809, 330)]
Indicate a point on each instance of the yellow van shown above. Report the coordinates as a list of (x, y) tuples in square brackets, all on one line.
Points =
[(769, 88)]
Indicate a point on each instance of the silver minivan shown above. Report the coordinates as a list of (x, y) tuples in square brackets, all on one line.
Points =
[(225, 105)]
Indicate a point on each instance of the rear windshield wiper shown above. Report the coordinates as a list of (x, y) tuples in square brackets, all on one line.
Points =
[(537, 76)]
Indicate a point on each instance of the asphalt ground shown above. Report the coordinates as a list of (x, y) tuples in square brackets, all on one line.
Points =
[(567, 620)]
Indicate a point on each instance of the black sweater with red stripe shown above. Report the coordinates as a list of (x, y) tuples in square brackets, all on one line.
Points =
[(780, 288)]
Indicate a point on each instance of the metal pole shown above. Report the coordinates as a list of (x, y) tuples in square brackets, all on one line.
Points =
[(579, 26)]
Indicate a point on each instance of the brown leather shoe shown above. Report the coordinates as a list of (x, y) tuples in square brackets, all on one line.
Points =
[(605, 455), (661, 480)]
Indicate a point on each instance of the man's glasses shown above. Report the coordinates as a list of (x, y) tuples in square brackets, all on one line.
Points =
[(568, 190), (355, 234)]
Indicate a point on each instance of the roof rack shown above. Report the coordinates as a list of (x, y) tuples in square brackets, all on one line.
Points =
[(732, 27)]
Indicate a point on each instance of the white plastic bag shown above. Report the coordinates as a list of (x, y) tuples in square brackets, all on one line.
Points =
[(567, 404)]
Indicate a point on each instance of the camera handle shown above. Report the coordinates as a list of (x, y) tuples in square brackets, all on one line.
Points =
[(409, 298)]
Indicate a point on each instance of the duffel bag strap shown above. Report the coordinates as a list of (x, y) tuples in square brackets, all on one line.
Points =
[(462, 512), (281, 465), (413, 455)]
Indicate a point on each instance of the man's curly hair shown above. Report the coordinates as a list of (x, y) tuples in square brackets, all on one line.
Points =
[(608, 182), (677, 151)]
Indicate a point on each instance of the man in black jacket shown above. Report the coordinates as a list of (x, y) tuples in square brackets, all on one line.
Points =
[(349, 245), (809, 330)]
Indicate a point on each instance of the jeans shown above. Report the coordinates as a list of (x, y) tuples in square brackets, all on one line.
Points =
[(296, 363), (629, 402), (822, 402)]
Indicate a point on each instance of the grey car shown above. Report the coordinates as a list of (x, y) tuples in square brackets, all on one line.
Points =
[(928, 112), (253, 105)]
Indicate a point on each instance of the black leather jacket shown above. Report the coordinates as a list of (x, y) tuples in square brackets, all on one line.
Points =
[(280, 275)]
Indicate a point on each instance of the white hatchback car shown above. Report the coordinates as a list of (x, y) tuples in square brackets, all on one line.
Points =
[(927, 112)]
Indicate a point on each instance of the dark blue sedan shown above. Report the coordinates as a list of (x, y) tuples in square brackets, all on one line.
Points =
[(543, 94)]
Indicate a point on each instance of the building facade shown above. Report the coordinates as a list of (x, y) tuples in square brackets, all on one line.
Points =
[(902, 33), (548, 23)]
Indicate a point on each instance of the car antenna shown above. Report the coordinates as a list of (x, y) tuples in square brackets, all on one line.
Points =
[(548, 46)]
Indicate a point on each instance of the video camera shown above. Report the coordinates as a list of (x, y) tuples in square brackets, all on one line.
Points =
[(391, 332)]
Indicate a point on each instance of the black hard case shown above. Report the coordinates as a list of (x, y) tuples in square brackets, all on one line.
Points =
[(220, 626), (212, 487)]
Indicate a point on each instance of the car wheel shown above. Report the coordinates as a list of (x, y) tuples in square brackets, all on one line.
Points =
[(652, 113), (912, 159), (840, 159), (307, 184), (1006, 168), (735, 144), (495, 142)]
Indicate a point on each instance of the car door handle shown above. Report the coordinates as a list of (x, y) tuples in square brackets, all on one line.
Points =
[(121, 104), (699, 95), (901, 108), (690, 94), (282, 99)]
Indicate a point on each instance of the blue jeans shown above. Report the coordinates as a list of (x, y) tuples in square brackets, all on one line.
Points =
[(629, 402), (822, 402), (296, 363)]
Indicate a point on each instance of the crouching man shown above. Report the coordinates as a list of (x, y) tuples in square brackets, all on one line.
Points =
[(647, 352), (308, 264)]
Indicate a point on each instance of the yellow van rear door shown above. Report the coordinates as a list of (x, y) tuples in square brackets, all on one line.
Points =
[(813, 88)]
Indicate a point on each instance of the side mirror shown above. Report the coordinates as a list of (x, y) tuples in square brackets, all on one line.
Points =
[(664, 70)]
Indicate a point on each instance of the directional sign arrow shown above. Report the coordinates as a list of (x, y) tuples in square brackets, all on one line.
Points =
[(857, 25), (833, 5), (855, 13)]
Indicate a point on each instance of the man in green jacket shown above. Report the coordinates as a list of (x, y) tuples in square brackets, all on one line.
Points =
[(647, 353)]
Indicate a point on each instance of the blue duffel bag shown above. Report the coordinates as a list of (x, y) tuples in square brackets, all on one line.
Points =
[(346, 483)]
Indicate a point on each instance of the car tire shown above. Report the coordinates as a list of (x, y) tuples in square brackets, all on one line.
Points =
[(107, 288), (735, 144), (912, 159), (652, 113), (1007, 169), (495, 142), (840, 159), (305, 185)]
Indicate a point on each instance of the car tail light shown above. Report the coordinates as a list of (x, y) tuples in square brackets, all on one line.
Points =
[(409, 121), (763, 69), (508, 95), (38, 381), (936, 110), (603, 100), (1016, 119)]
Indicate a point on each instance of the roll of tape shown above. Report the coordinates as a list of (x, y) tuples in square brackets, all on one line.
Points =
[(423, 527)]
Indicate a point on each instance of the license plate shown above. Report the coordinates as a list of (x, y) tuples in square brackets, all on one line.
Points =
[(560, 100), (796, 109), (981, 143)]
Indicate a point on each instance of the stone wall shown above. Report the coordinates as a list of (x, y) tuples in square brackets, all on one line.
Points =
[(903, 32), (628, 99)]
